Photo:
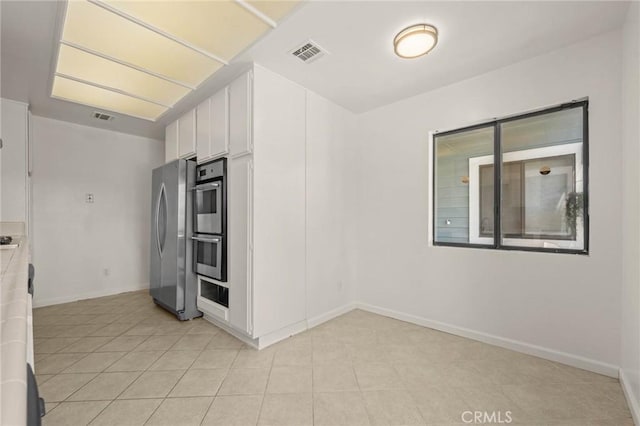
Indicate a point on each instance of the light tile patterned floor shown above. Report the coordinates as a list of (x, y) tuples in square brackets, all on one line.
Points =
[(120, 360)]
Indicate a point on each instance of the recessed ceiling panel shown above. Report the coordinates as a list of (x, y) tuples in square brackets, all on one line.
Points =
[(102, 31), (222, 28), (275, 10), (85, 66), (141, 57), (85, 94)]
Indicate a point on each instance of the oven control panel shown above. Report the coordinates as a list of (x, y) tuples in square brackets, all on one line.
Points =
[(212, 170)]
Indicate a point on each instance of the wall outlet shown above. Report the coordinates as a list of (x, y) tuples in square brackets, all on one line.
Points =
[(106, 272), (88, 198)]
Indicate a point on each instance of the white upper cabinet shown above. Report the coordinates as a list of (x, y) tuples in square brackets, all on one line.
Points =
[(212, 127), (220, 126), (171, 142), (187, 135), (240, 107), (220, 123), (203, 130)]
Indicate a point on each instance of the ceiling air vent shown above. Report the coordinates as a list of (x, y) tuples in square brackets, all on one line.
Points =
[(102, 116), (309, 52)]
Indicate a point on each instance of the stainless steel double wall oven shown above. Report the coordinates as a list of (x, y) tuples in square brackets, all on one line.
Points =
[(210, 220)]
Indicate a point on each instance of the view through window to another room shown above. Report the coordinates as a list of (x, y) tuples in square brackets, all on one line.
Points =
[(540, 183)]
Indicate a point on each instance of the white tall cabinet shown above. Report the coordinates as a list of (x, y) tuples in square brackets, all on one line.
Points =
[(259, 123), (14, 170), (240, 248), (266, 207)]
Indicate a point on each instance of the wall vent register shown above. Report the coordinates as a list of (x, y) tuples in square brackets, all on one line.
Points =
[(102, 116), (308, 52)]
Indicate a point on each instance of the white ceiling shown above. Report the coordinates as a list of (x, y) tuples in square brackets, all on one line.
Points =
[(360, 72)]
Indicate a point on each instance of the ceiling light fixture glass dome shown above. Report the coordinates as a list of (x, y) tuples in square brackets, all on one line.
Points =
[(415, 41)]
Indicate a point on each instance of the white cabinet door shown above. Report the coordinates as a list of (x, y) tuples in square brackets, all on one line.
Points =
[(240, 106), (220, 123), (13, 183), (171, 142), (203, 130), (187, 135), (240, 253)]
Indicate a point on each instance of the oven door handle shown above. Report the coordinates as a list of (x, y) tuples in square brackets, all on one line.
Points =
[(206, 240), (206, 186)]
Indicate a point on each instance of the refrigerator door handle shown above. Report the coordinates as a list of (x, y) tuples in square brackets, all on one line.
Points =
[(161, 233)]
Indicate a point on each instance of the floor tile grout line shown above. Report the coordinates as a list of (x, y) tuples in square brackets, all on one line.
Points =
[(101, 411), (98, 373), (364, 402), (226, 375), (208, 408), (313, 400), (70, 365), (185, 371), (221, 382), (264, 391), (89, 354), (178, 381), (90, 381)]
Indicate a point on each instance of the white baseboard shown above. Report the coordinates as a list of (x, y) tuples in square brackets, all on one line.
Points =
[(39, 303), (283, 333), (262, 341), (632, 398), (232, 331), (299, 327), (327, 316), (515, 345)]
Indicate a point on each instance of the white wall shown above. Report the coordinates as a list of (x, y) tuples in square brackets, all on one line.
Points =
[(630, 353), (13, 201), (329, 142), (562, 303), (75, 242)]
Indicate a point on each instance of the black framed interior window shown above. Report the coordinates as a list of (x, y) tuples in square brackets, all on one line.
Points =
[(534, 199)]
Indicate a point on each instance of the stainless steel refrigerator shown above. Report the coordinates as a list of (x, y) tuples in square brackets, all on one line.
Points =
[(173, 283)]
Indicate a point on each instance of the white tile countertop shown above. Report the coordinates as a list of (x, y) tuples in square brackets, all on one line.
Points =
[(15, 316)]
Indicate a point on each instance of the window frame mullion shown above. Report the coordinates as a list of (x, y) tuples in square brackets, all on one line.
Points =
[(497, 186), (585, 173)]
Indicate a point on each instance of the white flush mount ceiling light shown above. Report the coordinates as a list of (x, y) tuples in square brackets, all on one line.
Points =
[(139, 58), (415, 41)]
